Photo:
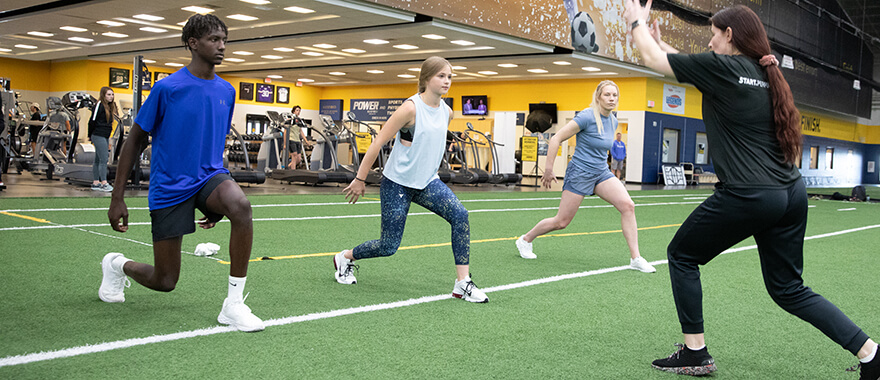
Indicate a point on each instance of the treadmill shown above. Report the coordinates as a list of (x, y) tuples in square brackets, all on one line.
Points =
[(335, 174), (496, 176)]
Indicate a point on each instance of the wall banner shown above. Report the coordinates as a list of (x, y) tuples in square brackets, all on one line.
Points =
[(673, 99), (368, 110)]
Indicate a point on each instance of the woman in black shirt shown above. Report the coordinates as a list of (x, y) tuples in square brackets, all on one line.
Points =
[(100, 127), (753, 128)]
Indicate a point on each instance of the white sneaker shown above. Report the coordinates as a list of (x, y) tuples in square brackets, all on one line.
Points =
[(468, 291), (640, 264), (239, 315), (344, 269), (97, 187), (525, 249), (107, 188), (114, 282)]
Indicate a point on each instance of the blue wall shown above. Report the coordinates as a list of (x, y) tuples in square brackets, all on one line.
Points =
[(842, 173), (687, 128)]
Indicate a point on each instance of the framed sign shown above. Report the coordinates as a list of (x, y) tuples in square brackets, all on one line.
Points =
[(245, 91), (119, 78), (158, 76), (283, 95), (265, 93)]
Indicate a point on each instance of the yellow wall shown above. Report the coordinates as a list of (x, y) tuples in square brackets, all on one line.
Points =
[(26, 75), (306, 96), (693, 99)]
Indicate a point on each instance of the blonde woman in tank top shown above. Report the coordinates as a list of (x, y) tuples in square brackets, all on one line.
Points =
[(419, 129)]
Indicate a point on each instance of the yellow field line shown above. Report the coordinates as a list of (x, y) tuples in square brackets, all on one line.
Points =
[(447, 244), (25, 217)]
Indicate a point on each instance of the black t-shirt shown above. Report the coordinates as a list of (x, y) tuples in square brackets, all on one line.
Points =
[(738, 113)]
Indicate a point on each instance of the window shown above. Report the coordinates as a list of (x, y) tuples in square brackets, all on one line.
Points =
[(669, 147), (829, 158), (702, 156), (256, 124), (814, 157)]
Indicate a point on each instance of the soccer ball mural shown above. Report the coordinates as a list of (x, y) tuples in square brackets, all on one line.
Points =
[(583, 33)]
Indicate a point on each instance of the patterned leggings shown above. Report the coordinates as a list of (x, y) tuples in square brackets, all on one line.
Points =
[(437, 198)]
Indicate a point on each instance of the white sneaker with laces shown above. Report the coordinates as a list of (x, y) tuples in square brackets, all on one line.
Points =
[(640, 264), (525, 249), (97, 187), (107, 188), (114, 281), (468, 291), (236, 314), (344, 269)]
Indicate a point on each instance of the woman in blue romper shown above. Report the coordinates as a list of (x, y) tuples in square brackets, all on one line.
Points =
[(419, 128), (588, 174)]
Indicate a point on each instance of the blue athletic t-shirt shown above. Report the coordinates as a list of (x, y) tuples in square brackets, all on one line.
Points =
[(591, 151), (188, 118)]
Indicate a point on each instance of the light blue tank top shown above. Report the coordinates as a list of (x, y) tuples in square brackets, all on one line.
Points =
[(416, 166)]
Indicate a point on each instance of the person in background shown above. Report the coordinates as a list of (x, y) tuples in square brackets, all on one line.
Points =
[(420, 126), (100, 127), (754, 128), (588, 174), (295, 139), (34, 130), (618, 154), (188, 115)]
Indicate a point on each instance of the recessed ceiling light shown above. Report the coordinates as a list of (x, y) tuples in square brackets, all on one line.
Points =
[(117, 35), (274, 76), (305, 80), (241, 17), (73, 29), (324, 46), (433, 37), (41, 34), (283, 49), (507, 65), (375, 71), (354, 51), (459, 67), (242, 52), (537, 71), (590, 68), (406, 47), (148, 17), (417, 69), (338, 73), (299, 10), (562, 63), (313, 53), (233, 60), (153, 30), (197, 9), (488, 72), (81, 39), (111, 23), (257, 2), (175, 64), (272, 56), (608, 73), (149, 61), (5, 50), (463, 42), (408, 76), (182, 23), (23, 46), (375, 41)]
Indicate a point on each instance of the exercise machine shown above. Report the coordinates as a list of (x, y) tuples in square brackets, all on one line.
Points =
[(495, 176)]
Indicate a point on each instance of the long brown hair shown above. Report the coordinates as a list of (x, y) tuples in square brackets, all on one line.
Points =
[(110, 109), (750, 39), (431, 67)]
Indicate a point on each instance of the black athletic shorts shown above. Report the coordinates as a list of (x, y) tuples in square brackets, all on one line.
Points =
[(178, 220), (294, 146)]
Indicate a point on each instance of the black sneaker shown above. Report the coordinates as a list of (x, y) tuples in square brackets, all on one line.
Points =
[(687, 362), (869, 370)]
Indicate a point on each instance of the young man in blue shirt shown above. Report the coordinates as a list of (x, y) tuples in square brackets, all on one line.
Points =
[(188, 115), (618, 154)]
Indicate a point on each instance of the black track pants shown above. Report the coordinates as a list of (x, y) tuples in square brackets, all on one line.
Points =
[(777, 218)]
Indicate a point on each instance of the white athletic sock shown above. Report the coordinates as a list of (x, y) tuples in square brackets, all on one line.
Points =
[(697, 349), (119, 262), (236, 288), (870, 356)]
